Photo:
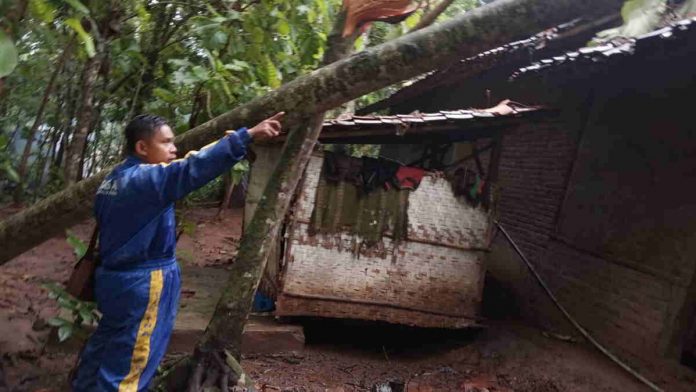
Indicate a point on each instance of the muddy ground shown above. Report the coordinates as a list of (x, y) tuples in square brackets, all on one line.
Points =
[(504, 355)]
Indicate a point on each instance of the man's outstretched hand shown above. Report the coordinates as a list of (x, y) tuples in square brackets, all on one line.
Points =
[(268, 128)]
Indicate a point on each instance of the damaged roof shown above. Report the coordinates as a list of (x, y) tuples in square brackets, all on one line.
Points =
[(674, 36), (518, 52), (446, 126), (551, 45)]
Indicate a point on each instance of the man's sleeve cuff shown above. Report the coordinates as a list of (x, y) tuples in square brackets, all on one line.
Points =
[(243, 134)]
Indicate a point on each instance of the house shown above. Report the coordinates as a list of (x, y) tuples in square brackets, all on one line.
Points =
[(599, 194), (432, 276)]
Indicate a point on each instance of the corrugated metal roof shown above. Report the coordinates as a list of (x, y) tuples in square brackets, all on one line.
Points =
[(504, 109), (681, 32), (445, 125), (517, 52)]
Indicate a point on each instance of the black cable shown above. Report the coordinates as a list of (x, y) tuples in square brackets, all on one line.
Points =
[(570, 318)]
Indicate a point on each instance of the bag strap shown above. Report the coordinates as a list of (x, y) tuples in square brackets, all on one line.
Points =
[(91, 249)]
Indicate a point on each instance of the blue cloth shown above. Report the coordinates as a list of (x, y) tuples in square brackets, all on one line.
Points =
[(135, 203), (262, 303), (138, 311), (138, 282)]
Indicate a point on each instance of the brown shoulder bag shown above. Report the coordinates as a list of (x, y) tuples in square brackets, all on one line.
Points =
[(81, 282)]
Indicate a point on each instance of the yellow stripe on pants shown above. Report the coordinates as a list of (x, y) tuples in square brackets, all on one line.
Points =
[(141, 351)]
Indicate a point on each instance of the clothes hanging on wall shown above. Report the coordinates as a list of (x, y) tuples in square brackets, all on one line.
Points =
[(345, 207), (339, 167), (408, 177), (468, 183), (370, 174), (364, 196), (377, 173)]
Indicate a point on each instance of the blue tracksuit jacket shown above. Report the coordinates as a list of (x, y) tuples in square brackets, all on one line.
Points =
[(137, 284)]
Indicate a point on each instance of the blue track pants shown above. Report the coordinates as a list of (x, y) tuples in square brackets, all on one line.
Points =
[(138, 310)]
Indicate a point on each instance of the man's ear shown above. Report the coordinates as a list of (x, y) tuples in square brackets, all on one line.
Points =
[(141, 147)]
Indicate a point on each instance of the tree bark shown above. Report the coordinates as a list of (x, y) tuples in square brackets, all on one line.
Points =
[(73, 156), (229, 188), (45, 155), (22, 169), (223, 337), (103, 31), (481, 29)]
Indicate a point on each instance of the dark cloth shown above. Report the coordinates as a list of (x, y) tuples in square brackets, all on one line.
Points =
[(339, 167), (409, 177), (468, 183), (377, 173), (366, 173)]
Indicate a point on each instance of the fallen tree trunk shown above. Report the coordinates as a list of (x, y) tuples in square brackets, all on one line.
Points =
[(476, 31), (223, 337)]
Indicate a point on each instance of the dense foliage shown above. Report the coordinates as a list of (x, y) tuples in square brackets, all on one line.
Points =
[(72, 72)]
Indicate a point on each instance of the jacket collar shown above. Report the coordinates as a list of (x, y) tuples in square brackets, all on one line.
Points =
[(132, 160)]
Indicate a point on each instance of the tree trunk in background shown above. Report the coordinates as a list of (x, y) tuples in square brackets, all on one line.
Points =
[(66, 110), (45, 157), (94, 128), (73, 155), (413, 54), (22, 169), (105, 30), (164, 18)]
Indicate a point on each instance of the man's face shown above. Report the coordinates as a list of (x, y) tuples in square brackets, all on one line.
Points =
[(159, 148)]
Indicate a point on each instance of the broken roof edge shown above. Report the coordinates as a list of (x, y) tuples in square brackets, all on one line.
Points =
[(401, 127), (612, 49)]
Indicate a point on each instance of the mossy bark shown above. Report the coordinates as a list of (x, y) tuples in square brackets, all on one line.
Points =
[(344, 80), (223, 337)]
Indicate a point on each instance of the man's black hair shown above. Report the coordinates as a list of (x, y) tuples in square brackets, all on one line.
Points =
[(141, 127)]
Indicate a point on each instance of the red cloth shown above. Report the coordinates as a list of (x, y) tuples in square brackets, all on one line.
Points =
[(409, 177)]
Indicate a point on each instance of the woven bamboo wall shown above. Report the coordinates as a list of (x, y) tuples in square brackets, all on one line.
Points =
[(435, 279)]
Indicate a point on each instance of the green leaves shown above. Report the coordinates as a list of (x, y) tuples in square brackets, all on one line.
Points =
[(64, 332), (211, 60), (413, 20), (8, 55), (43, 10), (79, 246), (6, 159), (57, 322), (81, 312), (238, 171), (641, 16), (78, 6), (164, 95), (270, 72), (10, 172), (84, 36)]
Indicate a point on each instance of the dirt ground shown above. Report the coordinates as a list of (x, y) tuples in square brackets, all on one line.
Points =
[(339, 356)]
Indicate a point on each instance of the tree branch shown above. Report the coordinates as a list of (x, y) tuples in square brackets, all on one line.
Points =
[(431, 16), (474, 32)]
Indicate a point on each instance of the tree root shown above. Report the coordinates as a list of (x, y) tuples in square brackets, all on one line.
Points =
[(174, 377), (212, 371)]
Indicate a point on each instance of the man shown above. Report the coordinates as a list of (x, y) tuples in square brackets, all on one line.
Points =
[(138, 281)]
